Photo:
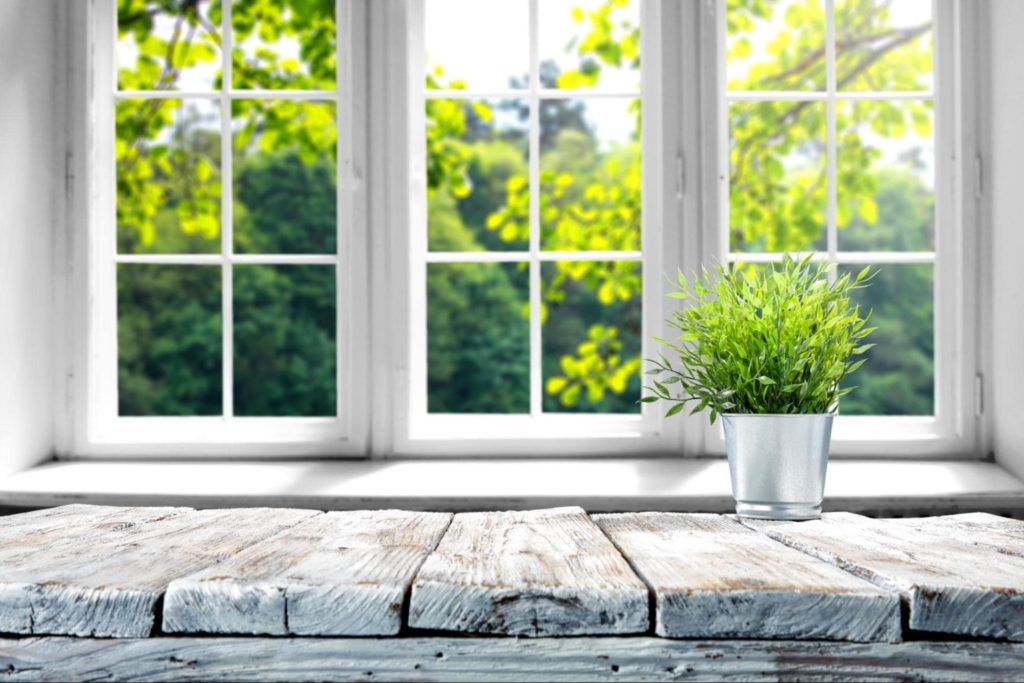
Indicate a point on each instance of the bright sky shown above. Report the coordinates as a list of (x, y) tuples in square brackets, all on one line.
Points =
[(485, 43)]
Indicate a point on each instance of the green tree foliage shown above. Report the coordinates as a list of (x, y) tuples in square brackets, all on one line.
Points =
[(168, 183)]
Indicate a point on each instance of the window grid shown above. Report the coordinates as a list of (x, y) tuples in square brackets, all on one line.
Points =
[(227, 258), (534, 255), (830, 96)]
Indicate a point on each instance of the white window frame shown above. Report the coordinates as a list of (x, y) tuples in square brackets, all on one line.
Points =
[(954, 429), (413, 430), (103, 432), (381, 325)]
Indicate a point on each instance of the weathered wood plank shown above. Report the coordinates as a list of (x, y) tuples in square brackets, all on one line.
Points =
[(537, 573), (712, 577), (342, 573), (979, 528), (950, 583), (501, 659), (101, 573)]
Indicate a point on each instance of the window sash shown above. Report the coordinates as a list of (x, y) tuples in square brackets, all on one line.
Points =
[(953, 429), (104, 432), (414, 431)]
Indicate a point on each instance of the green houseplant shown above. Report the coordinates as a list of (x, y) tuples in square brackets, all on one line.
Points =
[(768, 349)]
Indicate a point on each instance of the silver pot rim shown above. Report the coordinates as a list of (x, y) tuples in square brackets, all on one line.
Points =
[(778, 414)]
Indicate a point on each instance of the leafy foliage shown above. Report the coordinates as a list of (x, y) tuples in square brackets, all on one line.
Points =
[(780, 340)]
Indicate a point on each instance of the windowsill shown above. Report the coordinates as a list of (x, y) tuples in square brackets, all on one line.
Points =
[(870, 486)]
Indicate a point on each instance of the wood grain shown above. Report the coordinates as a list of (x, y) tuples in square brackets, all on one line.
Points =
[(537, 573), (951, 582), (501, 659), (341, 573), (101, 571), (715, 578)]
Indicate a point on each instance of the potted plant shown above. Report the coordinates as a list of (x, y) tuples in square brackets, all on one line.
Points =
[(768, 350)]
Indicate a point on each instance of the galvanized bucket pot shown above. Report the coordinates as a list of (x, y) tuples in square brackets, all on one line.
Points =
[(777, 464)]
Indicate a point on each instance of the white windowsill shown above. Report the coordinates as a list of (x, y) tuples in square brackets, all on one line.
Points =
[(871, 486)]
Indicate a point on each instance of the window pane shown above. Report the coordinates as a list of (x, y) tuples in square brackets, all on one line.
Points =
[(285, 177), (169, 340), (886, 170), (778, 180), (168, 176), (478, 347), (590, 44), (775, 45), (477, 45), (590, 175), (899, 375), (478, 191), (883, 45), (592, 336), (284, 44), (285, 357), (168, 45)]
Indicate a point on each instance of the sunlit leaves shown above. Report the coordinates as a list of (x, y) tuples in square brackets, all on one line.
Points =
[(284, 44), (878, 137), (168, 44), (597, 367), (168, 176), (883, 46), (775, 44), (778, 340), (605, 50), (778, 184), (778, 191), (167, 151), (591, 337)]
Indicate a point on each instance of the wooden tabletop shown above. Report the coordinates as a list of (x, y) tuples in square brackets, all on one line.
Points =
[(102, 571)]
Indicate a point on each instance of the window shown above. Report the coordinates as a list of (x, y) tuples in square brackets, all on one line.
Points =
[(224, 250), (475, 204), (837, 118)]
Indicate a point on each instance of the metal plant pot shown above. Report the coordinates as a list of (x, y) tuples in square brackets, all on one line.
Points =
[(777, 464)]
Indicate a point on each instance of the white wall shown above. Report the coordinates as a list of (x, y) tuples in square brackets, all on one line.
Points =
[(1006, 192), (30, 182)]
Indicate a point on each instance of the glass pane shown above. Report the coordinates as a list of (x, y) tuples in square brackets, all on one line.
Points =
[(775, 45), (883, 45), (168, 176), (285, 177), (168, 340), (590, 175), (285, 358), (590, 44), (478, 175), (284, 45), (168, 45), (477, 45), (778, 176), (478, 338), (592, 336), (899, 375), (885, 166)]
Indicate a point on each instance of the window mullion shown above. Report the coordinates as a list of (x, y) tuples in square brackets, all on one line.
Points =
[(536, 375), (832, 231), (226, 218)]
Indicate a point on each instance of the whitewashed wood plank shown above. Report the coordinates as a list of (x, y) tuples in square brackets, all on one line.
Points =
[(950, 584), (536, 573), (341, 573), (262, 660), (712, 577), (102, 574), (980, 528)]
